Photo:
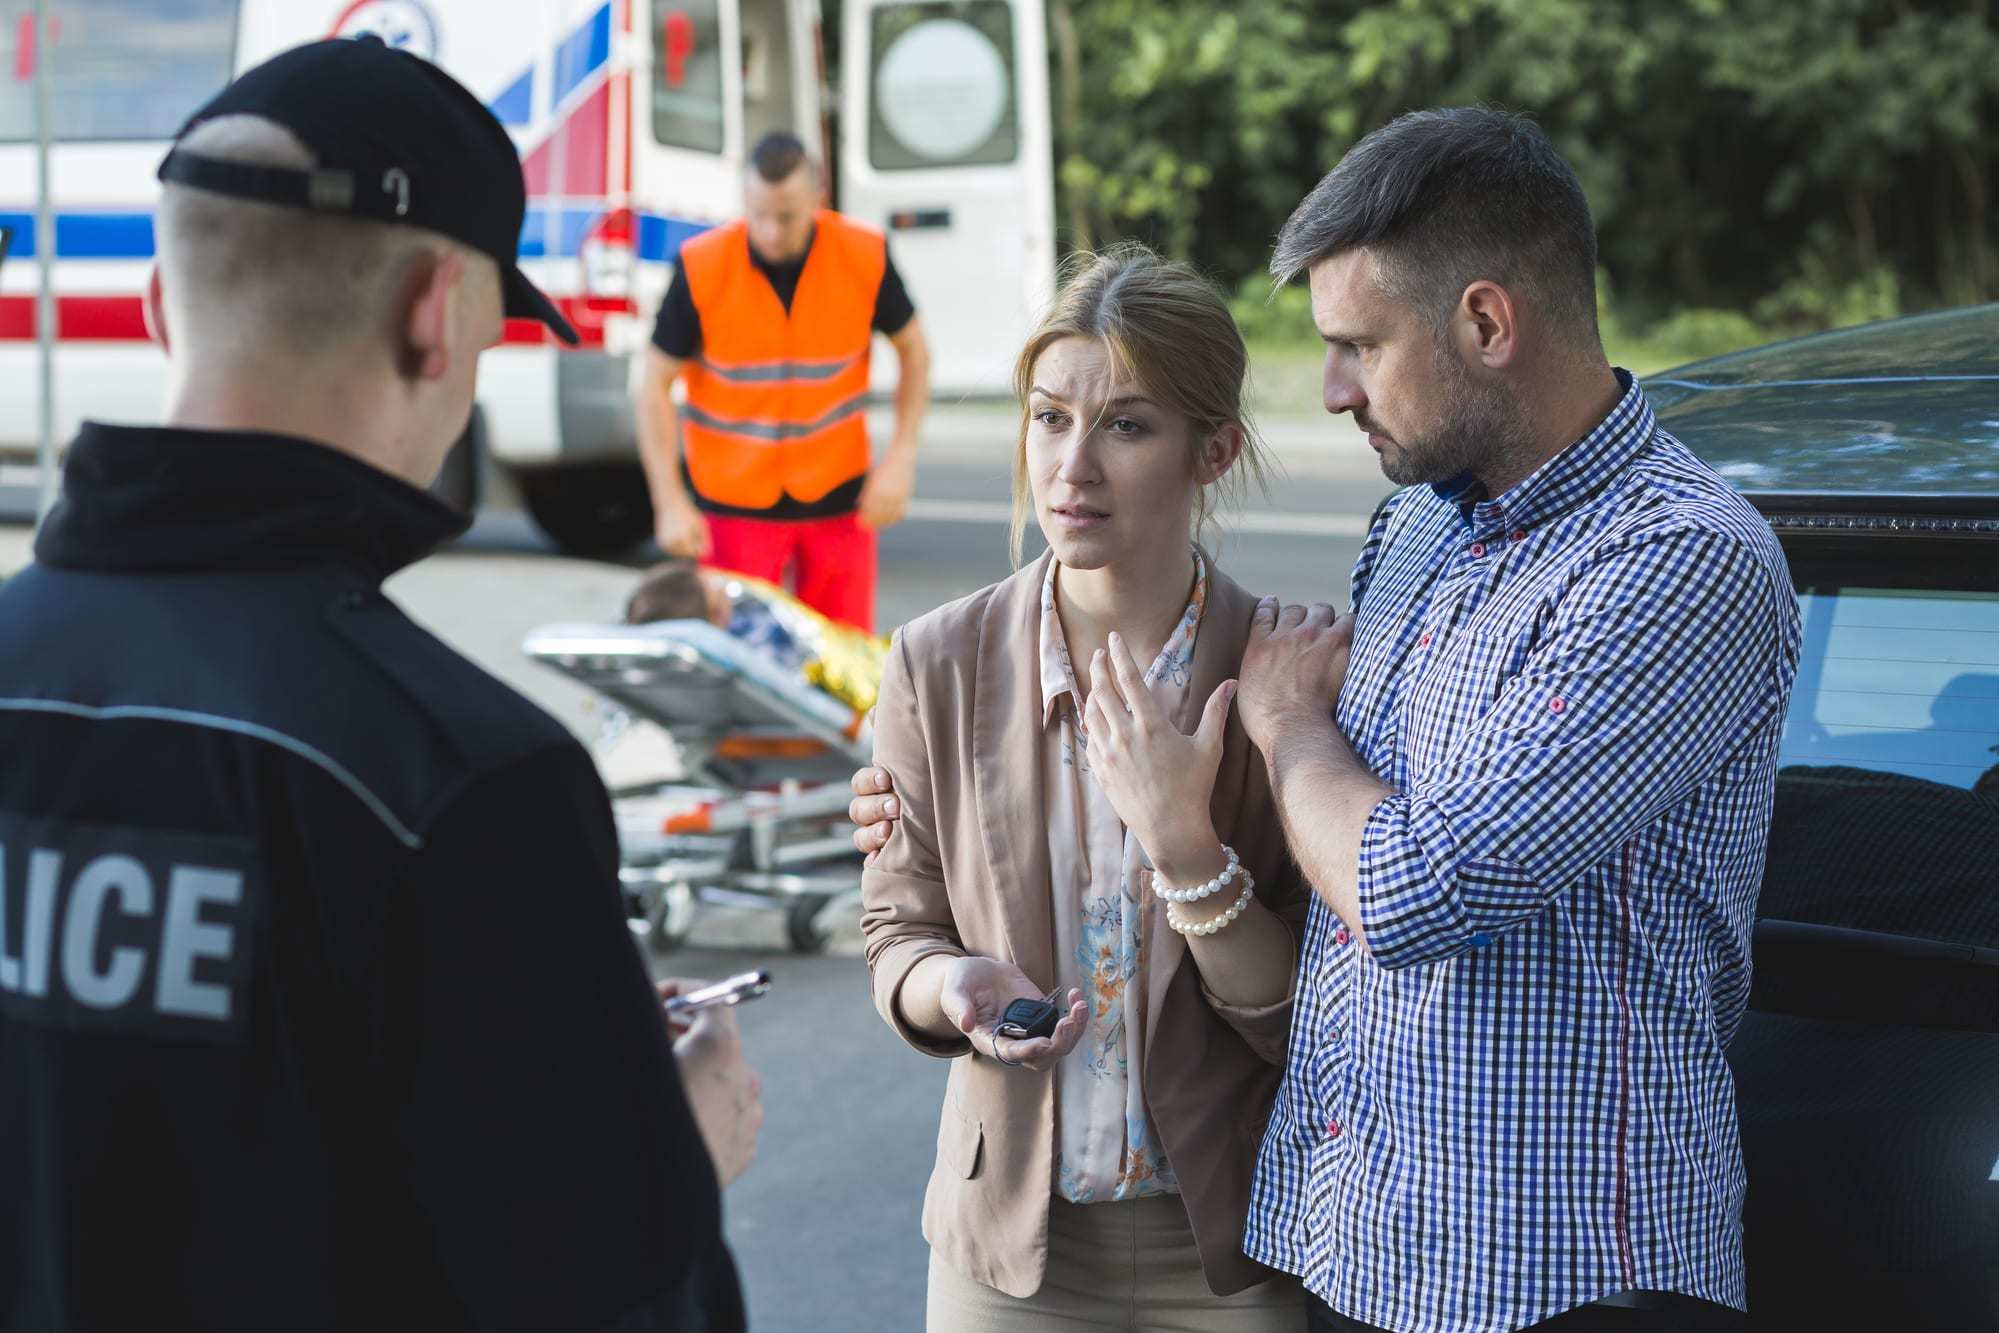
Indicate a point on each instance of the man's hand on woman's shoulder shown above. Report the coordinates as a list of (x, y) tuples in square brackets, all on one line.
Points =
[(1292, 668), (874, 810)]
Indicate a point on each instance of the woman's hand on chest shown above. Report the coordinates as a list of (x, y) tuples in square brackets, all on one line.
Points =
[(1158, 779)]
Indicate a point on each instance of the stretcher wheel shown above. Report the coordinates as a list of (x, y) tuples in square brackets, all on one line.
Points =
[(671, 919), (801, 922)]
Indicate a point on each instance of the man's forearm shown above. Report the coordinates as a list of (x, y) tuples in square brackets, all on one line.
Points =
[(1324, 797), (659, 443), (912, 400)]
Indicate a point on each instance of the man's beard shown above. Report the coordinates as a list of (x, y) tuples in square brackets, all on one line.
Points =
[(1480, 426)]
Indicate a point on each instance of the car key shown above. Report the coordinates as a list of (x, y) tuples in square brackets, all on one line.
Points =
[(1030, 1018)]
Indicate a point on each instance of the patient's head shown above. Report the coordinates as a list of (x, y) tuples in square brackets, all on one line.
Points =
[(679, 590), (1133, 413)]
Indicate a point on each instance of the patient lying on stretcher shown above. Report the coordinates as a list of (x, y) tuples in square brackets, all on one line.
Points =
[(839, 659)]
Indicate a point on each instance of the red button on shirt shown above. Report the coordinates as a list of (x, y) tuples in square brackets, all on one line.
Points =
[(1424, 642), (1477, 549), (1520, 534), (1340, 935), (1332, 1129), (1557, 704)]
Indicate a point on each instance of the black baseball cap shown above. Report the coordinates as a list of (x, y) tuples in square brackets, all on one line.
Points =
[(397, 140)]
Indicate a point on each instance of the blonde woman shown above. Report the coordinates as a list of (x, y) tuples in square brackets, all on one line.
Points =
[(1082, 819)]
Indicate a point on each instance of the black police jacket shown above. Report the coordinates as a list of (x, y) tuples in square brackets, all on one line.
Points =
[(317, 1005)]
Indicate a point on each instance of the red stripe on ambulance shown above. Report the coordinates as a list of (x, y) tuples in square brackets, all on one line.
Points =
[(78, 319)]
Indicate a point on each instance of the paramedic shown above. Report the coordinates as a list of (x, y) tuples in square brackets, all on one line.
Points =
[(770, 319), (317, 1005)]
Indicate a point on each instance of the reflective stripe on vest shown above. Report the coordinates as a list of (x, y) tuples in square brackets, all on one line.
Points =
[(767, 371), (775, 401)]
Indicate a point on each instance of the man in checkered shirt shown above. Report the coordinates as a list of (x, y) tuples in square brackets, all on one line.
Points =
[(1536, 821)]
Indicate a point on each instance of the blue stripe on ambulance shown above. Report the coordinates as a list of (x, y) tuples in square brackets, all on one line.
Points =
[(582, 54), (122, 235), (129, 235), (515, 106)]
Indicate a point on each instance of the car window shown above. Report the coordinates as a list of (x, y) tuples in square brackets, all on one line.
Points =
[(1898, 681), (118, 69), (1887, 802)]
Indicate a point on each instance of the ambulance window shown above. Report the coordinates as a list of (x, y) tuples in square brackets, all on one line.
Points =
[(687, 74), (943, 85), (119, 69)]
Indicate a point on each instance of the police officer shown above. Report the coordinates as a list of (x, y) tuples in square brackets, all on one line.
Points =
[(317, 1006)]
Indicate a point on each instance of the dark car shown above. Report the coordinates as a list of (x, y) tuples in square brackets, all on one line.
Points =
[(1868, 1069)]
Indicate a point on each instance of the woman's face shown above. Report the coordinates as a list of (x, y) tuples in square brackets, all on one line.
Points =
[(1112, 472)]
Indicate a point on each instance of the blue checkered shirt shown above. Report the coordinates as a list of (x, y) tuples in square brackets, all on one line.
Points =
[(1513, 1101)]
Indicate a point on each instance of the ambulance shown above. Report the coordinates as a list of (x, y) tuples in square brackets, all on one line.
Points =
[(633, 119)]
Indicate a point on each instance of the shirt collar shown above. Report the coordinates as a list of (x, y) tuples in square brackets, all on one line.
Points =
[(162, 499), (1058, 674), (1577, 472), (1461, 490)]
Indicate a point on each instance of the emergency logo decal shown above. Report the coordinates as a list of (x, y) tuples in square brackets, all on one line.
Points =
[(404, 24)]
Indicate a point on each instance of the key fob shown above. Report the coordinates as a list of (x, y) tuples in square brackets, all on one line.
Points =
[(1028, 1018)]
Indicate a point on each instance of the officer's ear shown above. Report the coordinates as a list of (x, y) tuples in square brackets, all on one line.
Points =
[(155, 308), (427, 324)]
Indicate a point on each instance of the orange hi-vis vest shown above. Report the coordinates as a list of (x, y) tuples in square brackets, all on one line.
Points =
[(776, 401)]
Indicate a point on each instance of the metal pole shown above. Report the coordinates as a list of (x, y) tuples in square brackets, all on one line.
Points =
[(45, 247)]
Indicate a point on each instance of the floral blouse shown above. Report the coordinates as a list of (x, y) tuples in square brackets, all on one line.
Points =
[(1106, 1147)]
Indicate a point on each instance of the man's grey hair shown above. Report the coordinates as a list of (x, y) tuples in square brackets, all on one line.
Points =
[(259, 279), (1441, 199)]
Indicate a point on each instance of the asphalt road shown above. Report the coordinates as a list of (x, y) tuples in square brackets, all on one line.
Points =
[(825, 1225)]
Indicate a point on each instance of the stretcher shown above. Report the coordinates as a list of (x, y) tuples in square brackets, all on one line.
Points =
[(758, 815)]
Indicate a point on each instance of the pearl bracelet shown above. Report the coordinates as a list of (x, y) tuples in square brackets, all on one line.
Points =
[(1212, 887), (1226, 918)]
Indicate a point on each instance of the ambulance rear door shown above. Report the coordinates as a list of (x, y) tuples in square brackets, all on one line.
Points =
[(945, 144), (124, 74)]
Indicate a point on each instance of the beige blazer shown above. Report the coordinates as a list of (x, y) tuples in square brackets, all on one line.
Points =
[(958, 726)]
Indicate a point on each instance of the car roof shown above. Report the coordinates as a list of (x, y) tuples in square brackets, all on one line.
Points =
[(1907, 407)]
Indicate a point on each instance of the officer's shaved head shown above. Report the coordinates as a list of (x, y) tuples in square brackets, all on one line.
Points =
[(240, 276)]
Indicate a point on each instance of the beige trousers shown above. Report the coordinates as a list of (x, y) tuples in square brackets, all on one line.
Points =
[(1129, 1265)]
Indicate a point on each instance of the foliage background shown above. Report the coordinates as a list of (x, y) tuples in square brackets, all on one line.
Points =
[(1756, 167)]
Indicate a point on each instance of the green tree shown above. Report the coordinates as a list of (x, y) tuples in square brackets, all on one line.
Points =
[(1811, 160)]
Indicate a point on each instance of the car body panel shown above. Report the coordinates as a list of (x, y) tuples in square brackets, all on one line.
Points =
[(1905, 407)]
